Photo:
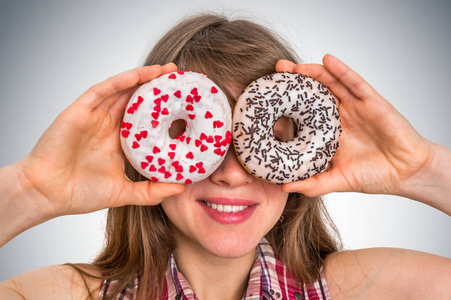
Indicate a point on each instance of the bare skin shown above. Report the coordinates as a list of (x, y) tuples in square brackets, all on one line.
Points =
[(389, 167)]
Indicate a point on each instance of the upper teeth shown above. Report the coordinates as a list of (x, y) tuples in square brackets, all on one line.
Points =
[(226, 208)]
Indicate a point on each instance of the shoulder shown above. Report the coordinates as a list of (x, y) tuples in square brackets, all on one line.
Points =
[(387, 273), (54, 282)]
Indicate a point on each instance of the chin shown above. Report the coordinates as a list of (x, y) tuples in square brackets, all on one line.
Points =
[(231, 247)]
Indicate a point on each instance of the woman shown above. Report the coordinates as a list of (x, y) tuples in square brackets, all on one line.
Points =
[(160, 241)]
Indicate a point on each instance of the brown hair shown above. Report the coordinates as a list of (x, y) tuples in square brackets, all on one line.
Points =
[(232, 53)]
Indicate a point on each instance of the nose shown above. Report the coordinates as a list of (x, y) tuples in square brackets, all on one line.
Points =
[(231, 173)]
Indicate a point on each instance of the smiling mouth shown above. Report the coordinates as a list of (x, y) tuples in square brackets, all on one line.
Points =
[(226, 208)]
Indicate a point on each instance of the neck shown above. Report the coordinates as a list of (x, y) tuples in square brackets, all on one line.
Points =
[(213, 277)]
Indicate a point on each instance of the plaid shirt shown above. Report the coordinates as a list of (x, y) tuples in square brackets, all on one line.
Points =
[(269, 279)]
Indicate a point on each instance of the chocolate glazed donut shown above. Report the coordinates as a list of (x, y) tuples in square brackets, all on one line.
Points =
[(313, 110)]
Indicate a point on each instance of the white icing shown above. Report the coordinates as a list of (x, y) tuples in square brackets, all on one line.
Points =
[(309, 104), (165, 165)]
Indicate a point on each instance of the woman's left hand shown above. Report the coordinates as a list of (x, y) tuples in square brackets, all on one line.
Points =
[(379, 151)]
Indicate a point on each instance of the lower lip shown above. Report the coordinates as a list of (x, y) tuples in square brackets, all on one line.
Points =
[(229, 218)]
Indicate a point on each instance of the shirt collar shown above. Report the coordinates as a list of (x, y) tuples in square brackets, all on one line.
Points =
[(262, 271)]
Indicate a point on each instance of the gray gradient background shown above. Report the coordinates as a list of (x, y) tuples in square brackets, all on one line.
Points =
[(52, 51)]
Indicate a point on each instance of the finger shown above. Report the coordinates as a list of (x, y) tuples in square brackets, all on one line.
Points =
[(320, 184), (168, 68), (117, 84), (284, 65), (149, 193), (321, 74), (349, 78)]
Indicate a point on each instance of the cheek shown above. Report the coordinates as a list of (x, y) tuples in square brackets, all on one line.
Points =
[(176, 207), (276, 198)]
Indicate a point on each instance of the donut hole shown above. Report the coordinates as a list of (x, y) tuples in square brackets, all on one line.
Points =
[(177, 128), (285, 129)]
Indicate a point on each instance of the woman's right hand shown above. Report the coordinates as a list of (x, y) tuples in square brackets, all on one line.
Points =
[(77, 166)]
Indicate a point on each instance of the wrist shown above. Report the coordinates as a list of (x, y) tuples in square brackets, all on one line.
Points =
[(22, 206), (432, 183)]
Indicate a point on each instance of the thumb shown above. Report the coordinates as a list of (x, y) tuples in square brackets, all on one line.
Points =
[(149, 193), (320, 184)]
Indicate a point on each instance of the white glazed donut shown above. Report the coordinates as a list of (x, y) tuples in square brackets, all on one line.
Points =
[(312, 108), (195, 153)]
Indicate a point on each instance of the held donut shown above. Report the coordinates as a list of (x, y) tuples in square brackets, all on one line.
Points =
[(312, 108), (196, 152)]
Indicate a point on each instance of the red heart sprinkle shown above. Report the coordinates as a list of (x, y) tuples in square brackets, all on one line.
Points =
[(201, 171), (171, 155), (144, 133), (149, 158), (175, 164), (179, 176), (210, 139), (228, 134), (200, 164), (172, 146), (203, 136), (198, 143), (217, 124), (188, 139), (178, 94), (155, 123), (152, 168), (226, 141), (156, 91), (189, 99), (180, 72), (156, 150), (192, 169), (155, 115), (125, 133), (191, 116), (208, 115), (157, 108), (135, 106), (190, 155), (203, 148), (172, 76), (179, 169), (214, 90), (162, 169), (182, 136), (135, 145), (138, 137), (123, 124), (161, 161), (190, 107), (144, 164), (188, 181), (218, 138), (167, 175), (154, 179), (165, 111), (165, 98), (157, 101), (140, 99), (197, 98), (194, 91), (128, 125), (131, 110)]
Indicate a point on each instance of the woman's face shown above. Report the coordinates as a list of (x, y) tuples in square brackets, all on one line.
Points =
[(202, 217)]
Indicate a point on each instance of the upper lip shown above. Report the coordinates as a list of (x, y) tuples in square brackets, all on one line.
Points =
[(230, 201)]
